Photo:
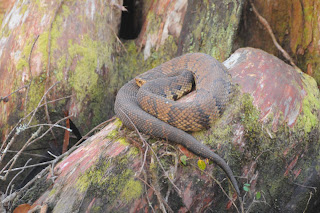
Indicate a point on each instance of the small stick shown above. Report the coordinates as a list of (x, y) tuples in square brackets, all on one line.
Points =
[(265, 23), (5, 98), (14, 128), (30, 73), (16, 176), (178, 190), (18, 154)]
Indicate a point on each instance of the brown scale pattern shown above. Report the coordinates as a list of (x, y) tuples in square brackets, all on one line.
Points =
[(160, 117)]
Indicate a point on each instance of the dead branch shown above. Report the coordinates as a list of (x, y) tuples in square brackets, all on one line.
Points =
[(177, 189), (34, 138), (94, 129), (48, 69), (118, 39), (265, 23), (16, 176), (25, 117), (22, 128), (219, 184), (30, 73), (6, 98), (18, 154), (53, 125), (43, 97)]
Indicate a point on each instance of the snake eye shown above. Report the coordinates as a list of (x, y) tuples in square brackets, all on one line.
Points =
[(139, 81)]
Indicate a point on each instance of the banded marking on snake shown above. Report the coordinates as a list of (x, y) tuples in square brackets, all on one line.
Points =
[(151, 111)]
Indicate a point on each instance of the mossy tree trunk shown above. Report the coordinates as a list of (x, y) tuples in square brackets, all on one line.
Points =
[(108, 172)]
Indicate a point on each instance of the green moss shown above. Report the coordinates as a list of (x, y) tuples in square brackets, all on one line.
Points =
[(84, 79), (44, 38), (212, 33), (123, 141), (61, 65), (1, 18), (93, 176), (23, 61), (36, 92), (24, 9), (111, 181), (134, 151), (65, 10), (308, 119), (53, 191), (132, 190)]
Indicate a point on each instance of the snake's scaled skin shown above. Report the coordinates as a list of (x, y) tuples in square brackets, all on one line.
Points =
[(213, 91)]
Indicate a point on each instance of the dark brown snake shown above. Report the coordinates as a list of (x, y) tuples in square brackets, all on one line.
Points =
[(144, 107)]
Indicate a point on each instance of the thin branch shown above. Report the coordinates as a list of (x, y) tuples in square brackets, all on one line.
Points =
[(30, 73), (16, 176), (265, 23), (30, 154), (18, 154), (25, 117), (18, 132), (48, 69), (219, 184), (5, 98), (178, 190), (305, 209), (43, 97), (94, 129), (28, 143), (33, 180), (125, 49), (53, 125), (35, 140)]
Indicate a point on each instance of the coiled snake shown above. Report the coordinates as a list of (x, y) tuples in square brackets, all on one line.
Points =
[(151, 111)]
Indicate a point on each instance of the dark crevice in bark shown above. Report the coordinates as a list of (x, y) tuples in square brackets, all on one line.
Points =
[(131, 20)]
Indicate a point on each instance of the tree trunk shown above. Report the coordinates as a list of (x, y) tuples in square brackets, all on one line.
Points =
[(295, 25)]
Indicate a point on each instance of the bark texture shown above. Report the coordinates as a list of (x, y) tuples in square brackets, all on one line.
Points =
[(296, 26)]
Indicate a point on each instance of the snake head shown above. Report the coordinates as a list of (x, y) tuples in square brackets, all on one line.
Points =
[(140, 81), (146, 77)]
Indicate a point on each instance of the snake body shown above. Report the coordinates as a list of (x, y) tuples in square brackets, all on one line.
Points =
[(151, 112)]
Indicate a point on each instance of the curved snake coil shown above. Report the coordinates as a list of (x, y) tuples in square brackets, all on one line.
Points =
[(164, 118)]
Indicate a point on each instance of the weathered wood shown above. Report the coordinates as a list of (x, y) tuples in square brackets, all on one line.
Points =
[(296, 27)]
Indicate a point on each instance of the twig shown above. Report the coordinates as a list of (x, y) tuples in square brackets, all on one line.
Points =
[(265, 23), (256, 201), (25, 117), (18, 154), (16, 176), (30, 73), (33, 141), (43, 97), (304, 186), (178, 190), (305, 209), (48, 70), (26, 153), (33, 180), (92, 130), (20, 121), (53, 125), (5, 98), (158, 194), (115, 34), (60, 156), (28, 143), (219, 184)]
